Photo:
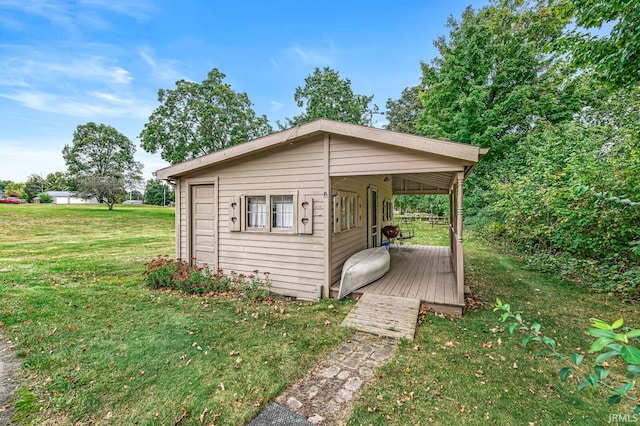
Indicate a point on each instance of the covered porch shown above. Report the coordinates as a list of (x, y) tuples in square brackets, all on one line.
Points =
[(421, 272), (372, 172)]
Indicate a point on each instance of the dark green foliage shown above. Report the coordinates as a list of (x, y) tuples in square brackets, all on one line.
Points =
[(438, 205), (158, 193), (59, 181), (45, 198), (571, 199), (614, 56), (34, 185), (560, 181), (404, 113), (326, 95), (195, 119)]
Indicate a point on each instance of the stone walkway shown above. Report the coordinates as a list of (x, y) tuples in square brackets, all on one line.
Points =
[(325, 395), (8, 380)]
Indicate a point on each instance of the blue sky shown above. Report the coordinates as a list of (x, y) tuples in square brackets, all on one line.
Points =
[(65, 63)]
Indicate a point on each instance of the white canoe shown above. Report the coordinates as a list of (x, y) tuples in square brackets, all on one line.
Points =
[(363, 268)]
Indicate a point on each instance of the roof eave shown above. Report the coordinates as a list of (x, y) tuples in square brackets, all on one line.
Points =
[(461, 151)]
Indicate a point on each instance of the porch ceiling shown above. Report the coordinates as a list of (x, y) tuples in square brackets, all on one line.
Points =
[(422, 183)]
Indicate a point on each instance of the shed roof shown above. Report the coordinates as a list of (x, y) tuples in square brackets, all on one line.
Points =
[(456, 150), (59, 193)]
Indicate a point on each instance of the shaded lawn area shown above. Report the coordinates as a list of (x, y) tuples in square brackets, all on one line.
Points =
[(99, 348), (471, 371)]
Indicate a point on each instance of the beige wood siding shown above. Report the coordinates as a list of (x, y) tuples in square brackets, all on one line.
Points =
[(351, 157), (295, 262), (346, 243)]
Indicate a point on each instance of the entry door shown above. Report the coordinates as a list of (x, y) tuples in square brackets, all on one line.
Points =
[(203, 224), (372, 208)]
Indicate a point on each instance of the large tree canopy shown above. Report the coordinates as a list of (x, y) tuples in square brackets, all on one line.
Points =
[(35, 185), (404, 112), (101, 162), (159, 193), (326, 95), (493, 82), (615, 56), (195, 119)]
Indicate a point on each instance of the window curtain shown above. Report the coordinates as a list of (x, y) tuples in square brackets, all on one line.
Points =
[(282, 212), (256, 212)]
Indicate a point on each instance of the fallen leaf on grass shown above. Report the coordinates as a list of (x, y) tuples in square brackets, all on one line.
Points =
[(448, 345), (515, 366), (233, 353), (221, 386), (327, 323), (204, 413), (416, 348), (487, 344), (182, 417)]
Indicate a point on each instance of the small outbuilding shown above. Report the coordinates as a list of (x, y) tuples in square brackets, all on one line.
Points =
[(67, 197), (299, 202)]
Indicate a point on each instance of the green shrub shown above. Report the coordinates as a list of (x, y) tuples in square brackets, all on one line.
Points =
[(45, 198), (180, 275)]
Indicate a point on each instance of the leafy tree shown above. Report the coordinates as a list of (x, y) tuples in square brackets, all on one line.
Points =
[(4, 184), (493, 82), (158, 193), (34, 185), (614, 56), (195, 119), (13, 189), (404, 112), (58, 181), (101, 161), (326, 95)]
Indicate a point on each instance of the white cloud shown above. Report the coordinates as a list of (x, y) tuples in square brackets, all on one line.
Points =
[(85, 13), (164, 70), (59, 13), (90, 105), (138, 9), (276, 106), (26, 70), (314, 56)]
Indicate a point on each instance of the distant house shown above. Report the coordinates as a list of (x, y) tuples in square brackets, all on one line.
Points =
[(66, 197), (299, 202)]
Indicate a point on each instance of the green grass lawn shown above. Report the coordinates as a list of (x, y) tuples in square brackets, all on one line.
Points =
[(97, 347)]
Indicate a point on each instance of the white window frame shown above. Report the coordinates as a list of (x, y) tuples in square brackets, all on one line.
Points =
[(269, 226), (345, 211)]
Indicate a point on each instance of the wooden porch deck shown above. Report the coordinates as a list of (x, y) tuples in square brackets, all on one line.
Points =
[(420, 272)]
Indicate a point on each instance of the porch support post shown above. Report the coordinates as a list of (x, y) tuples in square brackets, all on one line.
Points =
[(459, 258)]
